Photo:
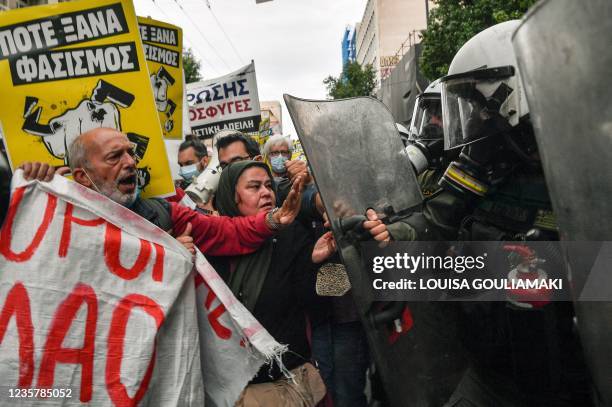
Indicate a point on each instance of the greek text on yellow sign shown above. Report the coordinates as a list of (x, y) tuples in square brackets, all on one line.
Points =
[(71, 67)]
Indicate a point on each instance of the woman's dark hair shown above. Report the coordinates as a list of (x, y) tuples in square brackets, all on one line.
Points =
[(251, 146), (195, 143)]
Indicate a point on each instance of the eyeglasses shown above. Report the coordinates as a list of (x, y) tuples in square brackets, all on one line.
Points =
[(277, 153), (223, 164)]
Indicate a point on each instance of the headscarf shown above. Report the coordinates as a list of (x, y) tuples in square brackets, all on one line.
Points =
[(249, 274), (225, 197)]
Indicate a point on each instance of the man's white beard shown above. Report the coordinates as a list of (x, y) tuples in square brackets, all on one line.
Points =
[(111, 191)]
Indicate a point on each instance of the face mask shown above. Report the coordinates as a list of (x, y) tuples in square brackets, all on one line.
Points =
[(189, 171), (278, 164)]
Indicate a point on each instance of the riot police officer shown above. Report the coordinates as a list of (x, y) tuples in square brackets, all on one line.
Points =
[(519, 355)]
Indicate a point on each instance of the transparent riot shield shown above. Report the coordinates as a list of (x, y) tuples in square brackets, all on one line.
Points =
[(356, 155), (565, 59), (358, 162), (357, 159)]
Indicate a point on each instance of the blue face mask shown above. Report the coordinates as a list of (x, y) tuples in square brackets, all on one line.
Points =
[(189, 171), (278, 164)]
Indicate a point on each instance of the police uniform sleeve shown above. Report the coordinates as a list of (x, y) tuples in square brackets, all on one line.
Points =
[(440, 220)]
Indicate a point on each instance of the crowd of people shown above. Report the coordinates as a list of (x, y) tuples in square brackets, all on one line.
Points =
[(264, 236), (266, 232)]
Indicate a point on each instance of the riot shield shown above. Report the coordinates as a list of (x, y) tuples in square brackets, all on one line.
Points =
[(565, 59), (357, 158), (358, 162)]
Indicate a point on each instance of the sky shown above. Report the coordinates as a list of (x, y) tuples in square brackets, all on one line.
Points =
[(295, 43)]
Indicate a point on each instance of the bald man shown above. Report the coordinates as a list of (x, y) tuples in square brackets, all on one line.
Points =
[(103, 160)]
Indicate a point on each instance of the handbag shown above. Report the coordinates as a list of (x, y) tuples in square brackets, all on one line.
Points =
[(305, 389), (332, 280)]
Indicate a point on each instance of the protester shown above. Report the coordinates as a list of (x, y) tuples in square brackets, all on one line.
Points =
[(192, 159), (339, 343), (235, 146), (277, 151), (275, 284), (102, 160)]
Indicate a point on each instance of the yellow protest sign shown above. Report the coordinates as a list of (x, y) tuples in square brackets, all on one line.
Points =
[(71, 67), (298, 151), (163, 47)]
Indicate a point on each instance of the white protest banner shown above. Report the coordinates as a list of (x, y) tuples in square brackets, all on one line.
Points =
[(97, 304), (227, 102), (233, 344)]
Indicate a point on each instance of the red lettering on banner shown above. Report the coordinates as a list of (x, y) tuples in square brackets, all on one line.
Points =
[(247, 108), (201, 114), (192, 114), (6, 233), (213, 316), (112, 248), (158, 267), (18, 303), (229, 107), (67, 228), (54, 352), (211, 111), (238, 105), (116, 390)]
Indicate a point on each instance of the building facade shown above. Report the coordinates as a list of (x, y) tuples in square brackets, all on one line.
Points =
[(348, 45), (386, 32)]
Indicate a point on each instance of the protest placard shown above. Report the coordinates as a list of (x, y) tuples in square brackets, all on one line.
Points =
[(163, 47), (271, 121), (71, 67), (97, 304), (227, 102)]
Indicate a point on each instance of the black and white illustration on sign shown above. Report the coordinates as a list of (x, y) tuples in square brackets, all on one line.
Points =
[(101, 109), (161, 81)]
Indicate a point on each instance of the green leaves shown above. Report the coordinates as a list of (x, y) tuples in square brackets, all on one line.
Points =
[(453, 22), (354, 80), (191, 66)]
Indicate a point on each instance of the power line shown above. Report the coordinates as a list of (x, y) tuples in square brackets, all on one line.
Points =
[(199, 51), (202, 35), (224, 33)]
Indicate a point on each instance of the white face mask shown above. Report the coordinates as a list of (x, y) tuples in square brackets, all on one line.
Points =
[(112, 192)]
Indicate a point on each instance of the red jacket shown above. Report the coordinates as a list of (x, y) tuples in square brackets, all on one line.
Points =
[(177, 196), (221, 235)]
